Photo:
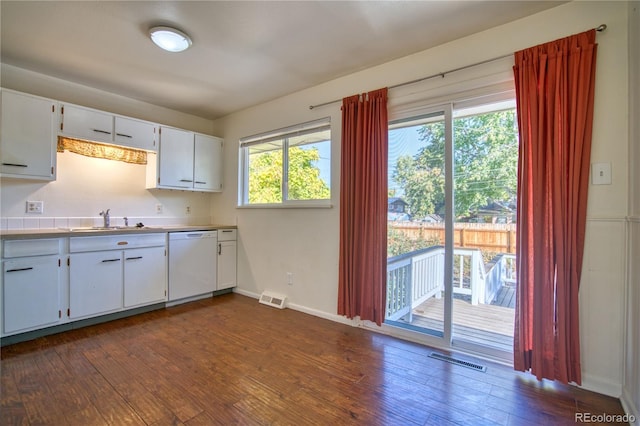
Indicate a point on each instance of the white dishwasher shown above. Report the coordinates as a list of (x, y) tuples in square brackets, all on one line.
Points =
[(192, 264)]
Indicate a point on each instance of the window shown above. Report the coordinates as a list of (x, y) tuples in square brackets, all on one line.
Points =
[(290, 166)]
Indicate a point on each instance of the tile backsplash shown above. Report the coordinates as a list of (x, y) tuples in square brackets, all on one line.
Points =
[(30, 222)]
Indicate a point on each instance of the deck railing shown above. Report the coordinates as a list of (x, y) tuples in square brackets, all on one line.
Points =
[(414, 277)]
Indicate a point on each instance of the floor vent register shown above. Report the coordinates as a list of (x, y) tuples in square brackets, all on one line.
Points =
[(459, 362)]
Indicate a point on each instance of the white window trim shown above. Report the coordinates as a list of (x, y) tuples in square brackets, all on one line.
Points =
[(278, 134)]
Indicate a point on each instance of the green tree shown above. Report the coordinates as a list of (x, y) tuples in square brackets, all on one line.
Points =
[(485, 165), (305, 183)]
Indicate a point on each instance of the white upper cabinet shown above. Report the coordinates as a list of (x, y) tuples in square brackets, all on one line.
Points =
[(207, 165), (176, 158), (93, 125), (186, 160), (28, 136), (135, 133), (84, 123)]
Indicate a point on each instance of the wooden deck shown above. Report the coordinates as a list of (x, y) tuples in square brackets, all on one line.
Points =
[(506, 297), (490, 325)]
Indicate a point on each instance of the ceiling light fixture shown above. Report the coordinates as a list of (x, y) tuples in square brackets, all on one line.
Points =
[(170, 39)]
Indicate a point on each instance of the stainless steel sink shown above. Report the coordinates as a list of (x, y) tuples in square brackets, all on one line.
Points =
[(110, 228)]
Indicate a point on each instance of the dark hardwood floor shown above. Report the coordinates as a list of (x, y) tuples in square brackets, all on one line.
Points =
[(229, 360)]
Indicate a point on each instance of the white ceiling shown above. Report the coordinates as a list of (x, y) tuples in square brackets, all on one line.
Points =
[(244, 52)]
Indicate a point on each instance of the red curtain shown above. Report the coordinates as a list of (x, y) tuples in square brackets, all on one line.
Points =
[(554, 93), (363, 207)]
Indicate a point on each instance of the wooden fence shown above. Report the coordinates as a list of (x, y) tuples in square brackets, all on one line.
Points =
[(491, 237)]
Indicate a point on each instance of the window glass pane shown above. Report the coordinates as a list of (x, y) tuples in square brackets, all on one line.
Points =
[(265, 173), (287, 165), (485, 187), (415, 227), (309, 167)]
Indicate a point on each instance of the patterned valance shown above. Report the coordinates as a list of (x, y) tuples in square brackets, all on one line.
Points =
[(100, 150)]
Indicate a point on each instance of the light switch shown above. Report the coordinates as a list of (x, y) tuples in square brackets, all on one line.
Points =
[(601, 173)]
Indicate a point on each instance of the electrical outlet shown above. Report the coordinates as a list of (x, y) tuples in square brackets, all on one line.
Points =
[(188, 210), (289, 278), (35, 207), (159, 208)]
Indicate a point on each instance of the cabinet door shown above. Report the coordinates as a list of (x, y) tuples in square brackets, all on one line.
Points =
[(226, 264), (207, 169), (145, 279), (27, 136), (95, 283), (31, 293), (135, 133), (84, 123), (176, 158)]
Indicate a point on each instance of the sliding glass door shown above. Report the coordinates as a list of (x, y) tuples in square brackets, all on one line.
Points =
[(451, 224), (418, 266)]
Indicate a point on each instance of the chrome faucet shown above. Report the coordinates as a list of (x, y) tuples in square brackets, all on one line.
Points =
[(106, 218)]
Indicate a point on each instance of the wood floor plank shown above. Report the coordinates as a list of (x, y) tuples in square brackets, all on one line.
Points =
[(229, 360)]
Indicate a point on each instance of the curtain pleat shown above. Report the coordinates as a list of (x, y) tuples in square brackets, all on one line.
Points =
[(363, 207), (555, 85)]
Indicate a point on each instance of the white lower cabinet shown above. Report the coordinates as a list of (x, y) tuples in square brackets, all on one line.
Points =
[(52, 281), (144, 281), (111, 273), (226, 259), (31, 293), (95, 283)]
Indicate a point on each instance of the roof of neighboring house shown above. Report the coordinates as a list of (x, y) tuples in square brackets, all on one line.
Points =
[(394, 200)]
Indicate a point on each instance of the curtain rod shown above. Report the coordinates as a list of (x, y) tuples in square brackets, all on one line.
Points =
[(600, 28)]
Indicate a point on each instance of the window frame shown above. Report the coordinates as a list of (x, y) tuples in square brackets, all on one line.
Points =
[(282, 135)]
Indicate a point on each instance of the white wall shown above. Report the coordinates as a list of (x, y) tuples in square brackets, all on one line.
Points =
[(86, 186), (631, 388), (273, 242)]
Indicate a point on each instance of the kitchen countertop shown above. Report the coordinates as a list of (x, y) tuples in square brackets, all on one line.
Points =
[(25, 234)]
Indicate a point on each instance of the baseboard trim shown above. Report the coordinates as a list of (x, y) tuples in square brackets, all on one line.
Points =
[(304, 309), (629, 407), (600, 385), (246, 293), (321, 314)]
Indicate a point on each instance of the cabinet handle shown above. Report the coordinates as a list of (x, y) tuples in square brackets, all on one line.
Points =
[(124, 136), (219, 248), (110, 260), (199, 181), (101, 131), (20, 269), (185, 180), (134, 258), (14, 165), (227, 230)]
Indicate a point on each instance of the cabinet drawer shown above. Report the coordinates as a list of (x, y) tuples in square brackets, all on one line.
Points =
[(116, 242), (22, 248), (227, 234)]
